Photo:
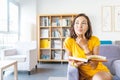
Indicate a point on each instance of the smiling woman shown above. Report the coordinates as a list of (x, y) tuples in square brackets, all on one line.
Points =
[(82, 44)]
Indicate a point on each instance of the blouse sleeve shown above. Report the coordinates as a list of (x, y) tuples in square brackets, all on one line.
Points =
[(67, 44), (97, 42)]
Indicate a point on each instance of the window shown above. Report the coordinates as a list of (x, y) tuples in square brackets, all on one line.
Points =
[(9, 22), (13, 17), (3, 15)]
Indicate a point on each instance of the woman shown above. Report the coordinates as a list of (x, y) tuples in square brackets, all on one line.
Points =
[(81, 44)]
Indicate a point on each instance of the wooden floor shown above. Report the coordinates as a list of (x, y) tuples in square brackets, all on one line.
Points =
[(57, 78), (44, 71)]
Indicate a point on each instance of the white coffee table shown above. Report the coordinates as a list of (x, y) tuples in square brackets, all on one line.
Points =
[(5, 64)]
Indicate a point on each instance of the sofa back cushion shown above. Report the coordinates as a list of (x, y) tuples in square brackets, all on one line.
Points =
[(117, 42), (112, 52), (22, 47), (10, 52)]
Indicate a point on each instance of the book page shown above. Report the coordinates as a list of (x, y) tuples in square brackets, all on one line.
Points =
[(78, 59), (90, 58)]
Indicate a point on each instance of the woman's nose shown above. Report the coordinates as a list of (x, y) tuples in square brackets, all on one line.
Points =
[(80, 26)]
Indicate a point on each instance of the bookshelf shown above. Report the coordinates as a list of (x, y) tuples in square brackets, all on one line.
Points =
[(51, 33)]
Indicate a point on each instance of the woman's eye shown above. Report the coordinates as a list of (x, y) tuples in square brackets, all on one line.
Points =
[(77, 23), (84, 23)]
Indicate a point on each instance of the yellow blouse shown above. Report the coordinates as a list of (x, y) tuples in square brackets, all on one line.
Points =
[(71, 45)]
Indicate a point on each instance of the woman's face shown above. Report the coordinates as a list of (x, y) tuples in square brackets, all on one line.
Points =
[(80, 25)]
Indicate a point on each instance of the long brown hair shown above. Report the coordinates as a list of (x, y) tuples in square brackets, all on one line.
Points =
[(88, 34)]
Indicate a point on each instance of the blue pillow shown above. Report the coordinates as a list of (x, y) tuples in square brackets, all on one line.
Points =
[(106, 42)]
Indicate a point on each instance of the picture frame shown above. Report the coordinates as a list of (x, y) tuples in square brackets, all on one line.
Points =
[(116, 18), (107, 18)]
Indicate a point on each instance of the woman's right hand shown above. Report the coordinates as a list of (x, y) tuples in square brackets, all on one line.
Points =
[(81, 41), (79, 63)]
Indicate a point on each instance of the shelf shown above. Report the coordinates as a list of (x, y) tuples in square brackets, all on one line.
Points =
[(52, 60), (52, 31)]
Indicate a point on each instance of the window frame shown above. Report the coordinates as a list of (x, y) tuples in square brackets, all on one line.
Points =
[(6, 38), (8, 26)]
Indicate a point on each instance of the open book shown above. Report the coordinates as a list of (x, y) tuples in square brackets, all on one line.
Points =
[(90, 58)]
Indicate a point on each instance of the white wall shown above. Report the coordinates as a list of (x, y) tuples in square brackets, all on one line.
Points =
[(90, 7), (28, 20)]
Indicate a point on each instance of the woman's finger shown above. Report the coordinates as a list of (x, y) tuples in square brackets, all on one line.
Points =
[(84, 37)]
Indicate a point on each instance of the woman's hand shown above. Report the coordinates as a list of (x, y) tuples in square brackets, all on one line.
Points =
[(79, 63), (82, 42), (93, 64), (76, 63)]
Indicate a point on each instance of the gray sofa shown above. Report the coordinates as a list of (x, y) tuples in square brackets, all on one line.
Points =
[(112, 52)]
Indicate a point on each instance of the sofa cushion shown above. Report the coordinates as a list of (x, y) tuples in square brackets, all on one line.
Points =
[(116, 78), (19, 58), (110, 51), (116, 66), (117, 42), (10, 52), (109, 63)]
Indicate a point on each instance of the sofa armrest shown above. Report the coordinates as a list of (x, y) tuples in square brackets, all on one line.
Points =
[(32, 56), (109, 63), (72, 73), (8, 52), (116, 66)]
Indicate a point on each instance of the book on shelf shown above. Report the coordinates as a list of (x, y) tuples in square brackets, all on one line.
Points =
[(56, 55), (90, 58), (56, 44), (44, 33), (45, 21), (56, 33), (65, 55), (45, 54), (66, 22), (66, 32), (56, 21)]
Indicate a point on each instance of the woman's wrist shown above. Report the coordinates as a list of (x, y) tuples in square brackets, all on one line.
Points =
[(87, 51), (74, 64)]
